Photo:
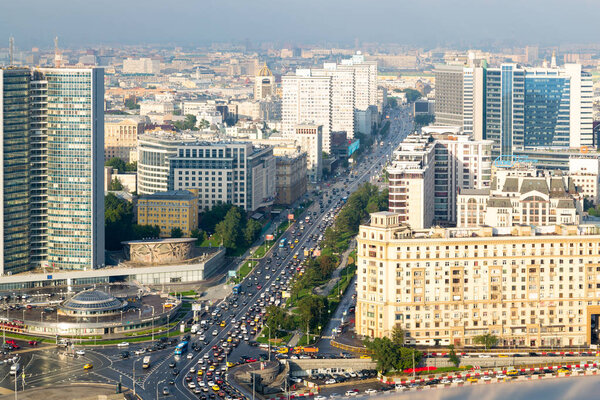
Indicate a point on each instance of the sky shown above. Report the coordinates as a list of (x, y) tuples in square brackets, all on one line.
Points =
[(415, 23)]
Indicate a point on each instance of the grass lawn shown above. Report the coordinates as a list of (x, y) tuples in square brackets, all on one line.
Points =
[(184, 294), (244, 271), (213, 241)]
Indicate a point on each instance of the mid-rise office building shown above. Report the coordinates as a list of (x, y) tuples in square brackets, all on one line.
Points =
[(141, 66), (585, 173), (530, 287), (430, 168), (53, 202), (169, 210), (264, 83)]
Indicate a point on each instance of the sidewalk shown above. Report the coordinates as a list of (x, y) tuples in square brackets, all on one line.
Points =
[(73, 391), (335, 276)]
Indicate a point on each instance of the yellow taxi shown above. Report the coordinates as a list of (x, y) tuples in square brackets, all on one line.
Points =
[(563, 370), (512, 372), (472, 379), (222, 324), (230, 364), (365, 357), (88, 366), (296, 241), (502, 355), (229, 339), (216, 388), (283, 350), (200, 372), (291, 246)]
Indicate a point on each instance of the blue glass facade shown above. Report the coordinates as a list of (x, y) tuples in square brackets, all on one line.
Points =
[(547, 101)]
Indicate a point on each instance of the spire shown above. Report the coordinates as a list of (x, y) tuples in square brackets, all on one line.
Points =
[(553, 59), (57, 55), (11, 50)]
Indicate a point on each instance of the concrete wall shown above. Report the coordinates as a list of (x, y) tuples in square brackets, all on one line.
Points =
[(309, 366)]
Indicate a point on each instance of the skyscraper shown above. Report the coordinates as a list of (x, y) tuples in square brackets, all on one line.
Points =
[(53, 205)]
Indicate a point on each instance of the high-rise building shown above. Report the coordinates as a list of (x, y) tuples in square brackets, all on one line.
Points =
[(340, 97), (428, 171), (310, 139), (518, 108), (530, 287), (52, 181)]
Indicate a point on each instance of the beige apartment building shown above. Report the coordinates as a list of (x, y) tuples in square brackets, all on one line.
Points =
[(528, 286), (120, 138)]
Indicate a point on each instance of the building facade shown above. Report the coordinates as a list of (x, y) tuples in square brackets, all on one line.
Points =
[(521, 196), (310, 139), (428, 171), (528, 287), (169, 210), (291, 177), (141, 66), (56, 198), (264, 83), (120, 137)]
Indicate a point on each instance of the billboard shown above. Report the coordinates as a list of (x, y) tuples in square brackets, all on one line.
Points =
[(290, 216), (196, 307), (352, 147), (231, 273), (269, 237)]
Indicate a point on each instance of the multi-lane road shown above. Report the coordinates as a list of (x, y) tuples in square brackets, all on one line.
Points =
[(259, 284)]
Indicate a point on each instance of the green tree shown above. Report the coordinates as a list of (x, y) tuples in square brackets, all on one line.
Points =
[(385, 353), (131, 166), (189, 123), (488, 340), (398, 335), (209, 219), (116, 163), (229, 229), (115, 185), (406, 360), (176, 233), (118, 221), (424, 119), (203, 124), (131, 104), (412, 95), (251, 231), (199, 235), (454, 359), (392, 102), (145, 232), (310, 310)]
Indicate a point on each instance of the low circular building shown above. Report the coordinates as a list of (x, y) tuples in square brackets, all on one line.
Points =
[(92, 302)]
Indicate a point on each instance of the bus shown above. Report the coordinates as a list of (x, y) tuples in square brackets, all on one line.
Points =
[(283, 243), (181, 348), (146, 362), (237, 289)]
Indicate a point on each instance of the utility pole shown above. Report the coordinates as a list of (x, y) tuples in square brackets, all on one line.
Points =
[(413, 358)]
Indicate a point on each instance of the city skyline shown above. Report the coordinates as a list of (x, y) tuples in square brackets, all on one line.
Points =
[(345, 22)]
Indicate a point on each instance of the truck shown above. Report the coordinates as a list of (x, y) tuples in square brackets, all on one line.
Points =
[(146, 362), (195, 328), (15, 368)]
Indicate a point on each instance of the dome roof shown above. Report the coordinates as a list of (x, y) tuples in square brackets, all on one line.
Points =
[(93, 301), (265, 71)]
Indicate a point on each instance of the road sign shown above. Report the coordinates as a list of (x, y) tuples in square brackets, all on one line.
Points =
[(231, 273), (196, 307)]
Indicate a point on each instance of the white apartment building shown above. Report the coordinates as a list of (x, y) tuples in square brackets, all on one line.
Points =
[(141, 66), (521, 196), (530, 287), (430, 168), (310, 140), (585, 173), (306, 100), (342, 97)]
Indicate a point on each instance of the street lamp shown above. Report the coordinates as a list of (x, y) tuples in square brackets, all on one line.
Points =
[(269, 340), (133, 370), (42, 317), (157, 385), (152, 324)]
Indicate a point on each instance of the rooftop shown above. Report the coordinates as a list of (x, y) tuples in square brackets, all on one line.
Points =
[(170, 195)]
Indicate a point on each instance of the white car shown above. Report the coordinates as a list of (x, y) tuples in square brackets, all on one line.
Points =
[(80, 352), (123, 344), (330, 381), (484, 356), (139, 351), (458, 380), (370, 391), (592, 369), (192, 370), (445, 381), (577, 369), (320, 398), (486, 378), (500, 376), (190, 356), (191, 385), (351, 393), (202, 337), (201, 383)]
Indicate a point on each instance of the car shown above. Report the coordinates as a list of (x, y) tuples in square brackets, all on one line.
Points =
[(215, 388), (472, 379), (88, 366), (172, 364), (458, 380), (370, 391), (171, 381), (445, 381), (330, 381), (486, 378), (80, 352), (215, 332), (123, 344), (563, 370), (124, 354), (165, 391), (33, 342), (484, 356), (512, 372), (175, 372), (500, 376), (577, 369), (190, 356), (351, 393), (191, 385)]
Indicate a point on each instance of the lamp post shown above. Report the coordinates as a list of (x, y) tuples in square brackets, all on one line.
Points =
[(42, 317), (133, 370), (152, 324), (157, 385), (269, 340)]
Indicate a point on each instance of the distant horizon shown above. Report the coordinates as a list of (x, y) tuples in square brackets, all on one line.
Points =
[(461, 24)]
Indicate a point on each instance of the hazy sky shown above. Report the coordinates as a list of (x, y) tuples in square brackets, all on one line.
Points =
[(188, 22)]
